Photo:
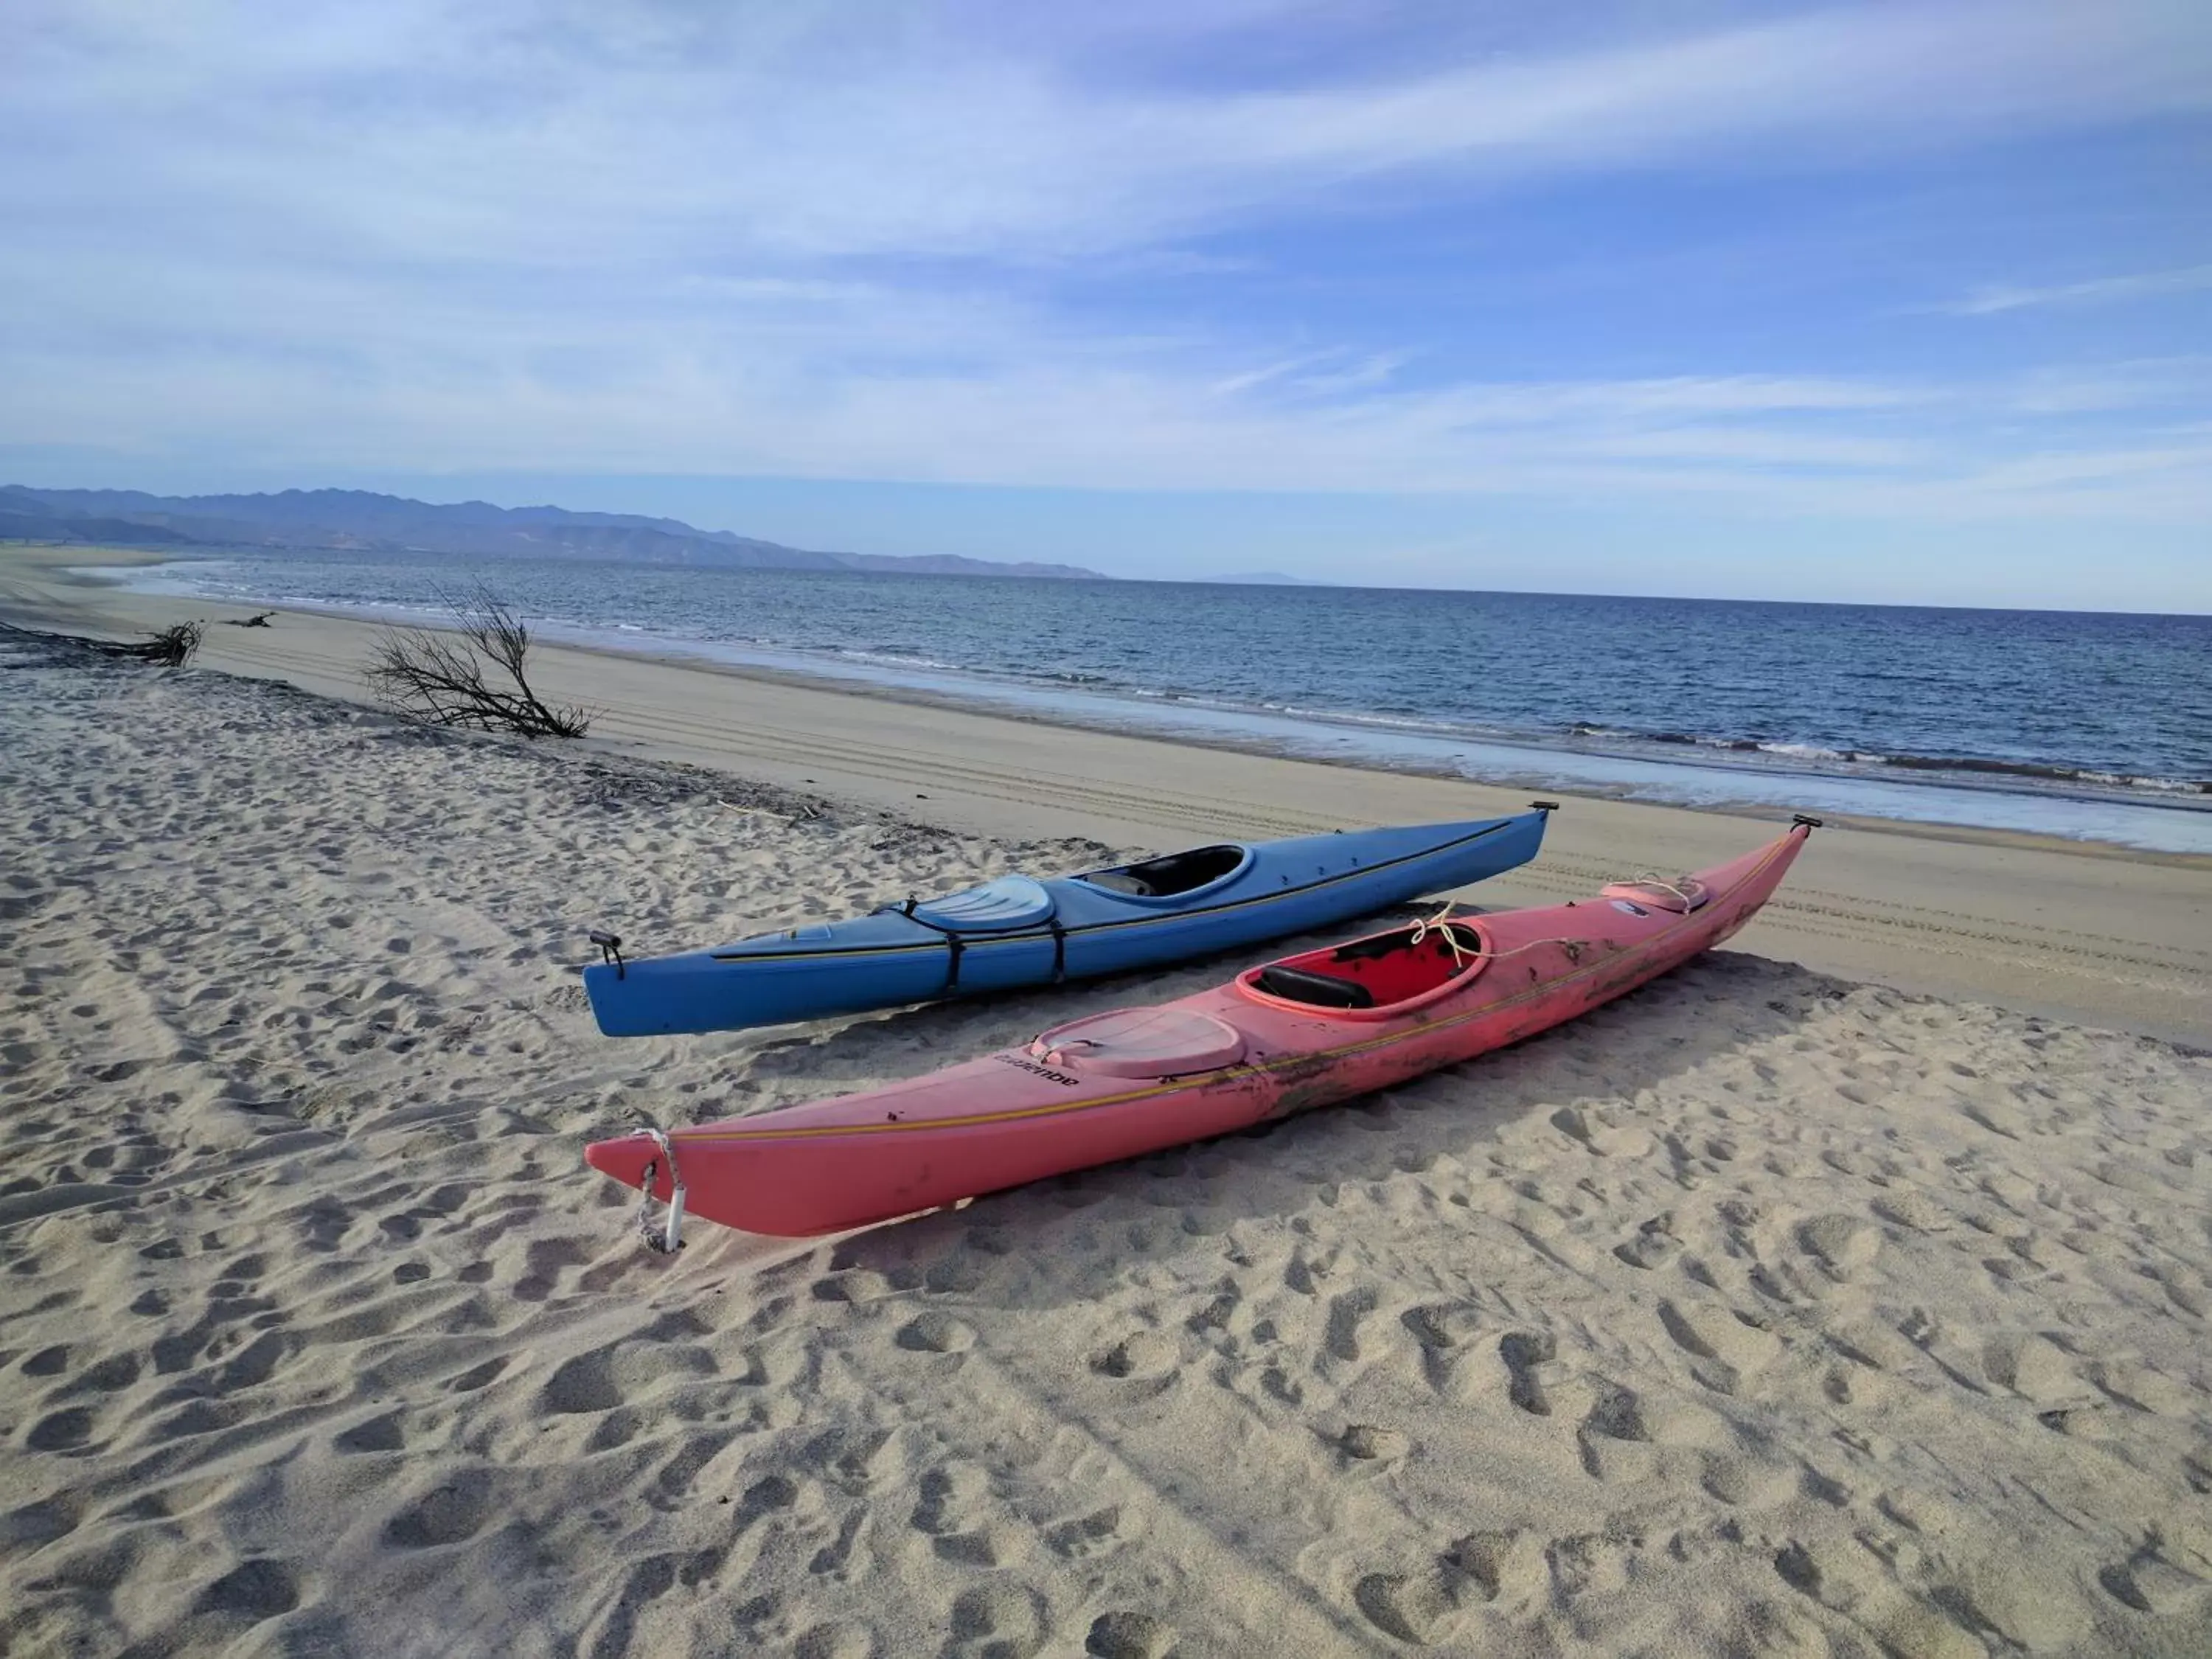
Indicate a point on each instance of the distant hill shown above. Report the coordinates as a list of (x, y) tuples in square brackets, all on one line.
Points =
[(357, 520)]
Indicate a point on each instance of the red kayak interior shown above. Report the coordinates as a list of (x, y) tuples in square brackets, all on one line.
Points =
[(1378, 977)]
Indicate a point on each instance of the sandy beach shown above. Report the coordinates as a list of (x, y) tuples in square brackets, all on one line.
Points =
[(1846, 1293), (2072, 930)]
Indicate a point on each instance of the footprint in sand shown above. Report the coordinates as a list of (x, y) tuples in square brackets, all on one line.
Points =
[(937, 1333), (1590, 1564), (1506, 1566), (478, 1377), (1142, 1356), (1371, 1442), (111, 1375), (1654, 1246), (256, 1363), (860, 1461), (1129, 1635), (446, 1515), (1732, 1347), (544, 1262), (1530, 1367), (1439, 1326), (772, 1495), (256, 1590), (859, 1286), (1844, 1245), (378, 1434), (997, 1621), (1506, 1569), (1911, 1209), (1615, 1438), (833, 1559), (2036, 1369), (61, 1432), (952, 1499), (957, 1511), (835, 1642), (2149, 1584), (600, 1380), (1345, 1313), (1087, 1535), (36, 1525), (1420, 1607)]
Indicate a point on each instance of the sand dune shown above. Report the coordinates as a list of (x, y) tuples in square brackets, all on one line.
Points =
[(1762, 1312)]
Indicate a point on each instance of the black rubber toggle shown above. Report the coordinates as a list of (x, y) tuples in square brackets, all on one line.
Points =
[(610, 951), (1545, 806), (1810, 824)]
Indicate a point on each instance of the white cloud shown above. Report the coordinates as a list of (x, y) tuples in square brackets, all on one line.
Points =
[(2103, 290), (498, 128), (824, 241), (2142, 386), (857, 384)]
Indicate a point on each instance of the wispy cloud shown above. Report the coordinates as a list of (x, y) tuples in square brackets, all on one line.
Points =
[(541, 132), (2102, 290), (884, 241), (861, 383)]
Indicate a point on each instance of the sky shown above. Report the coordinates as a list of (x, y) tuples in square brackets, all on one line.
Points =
[(1879, 301)]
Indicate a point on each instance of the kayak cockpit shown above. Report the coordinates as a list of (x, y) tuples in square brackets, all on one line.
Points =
[(1373, 978), (1177, 875)]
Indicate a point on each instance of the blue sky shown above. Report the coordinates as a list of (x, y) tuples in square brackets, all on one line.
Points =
[(1874, 302)]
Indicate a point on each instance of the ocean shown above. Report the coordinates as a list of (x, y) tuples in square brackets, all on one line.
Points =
[(2093, 726)]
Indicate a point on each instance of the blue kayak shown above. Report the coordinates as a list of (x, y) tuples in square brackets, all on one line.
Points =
[(1017, 931)]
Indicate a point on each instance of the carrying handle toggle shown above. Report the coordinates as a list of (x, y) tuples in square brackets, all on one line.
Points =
[(610, 951)]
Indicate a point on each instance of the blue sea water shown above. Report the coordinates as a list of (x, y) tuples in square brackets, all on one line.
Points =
[(2096, 725)]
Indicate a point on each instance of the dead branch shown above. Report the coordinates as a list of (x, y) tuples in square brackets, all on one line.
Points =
[(473, 674), (259, 619), (172, 647)]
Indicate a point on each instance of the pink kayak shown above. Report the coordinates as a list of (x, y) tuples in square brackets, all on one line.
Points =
[(1309, 1030)]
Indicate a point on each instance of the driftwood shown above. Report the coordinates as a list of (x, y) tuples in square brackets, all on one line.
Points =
[(260, 619), (473, 674), (172, 647)]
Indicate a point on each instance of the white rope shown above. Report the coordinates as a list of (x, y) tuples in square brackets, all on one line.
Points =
[(661, 1241), (1691, 899), (1058, 1051), (1442, 922), (1445, 922)]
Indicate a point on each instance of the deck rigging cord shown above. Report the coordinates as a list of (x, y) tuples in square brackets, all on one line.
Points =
[(668, 1239)]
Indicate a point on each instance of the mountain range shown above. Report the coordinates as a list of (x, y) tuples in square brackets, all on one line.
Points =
[(361, 521)]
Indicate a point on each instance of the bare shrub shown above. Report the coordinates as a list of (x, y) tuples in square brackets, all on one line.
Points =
[(172, 647), (473, 674)]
